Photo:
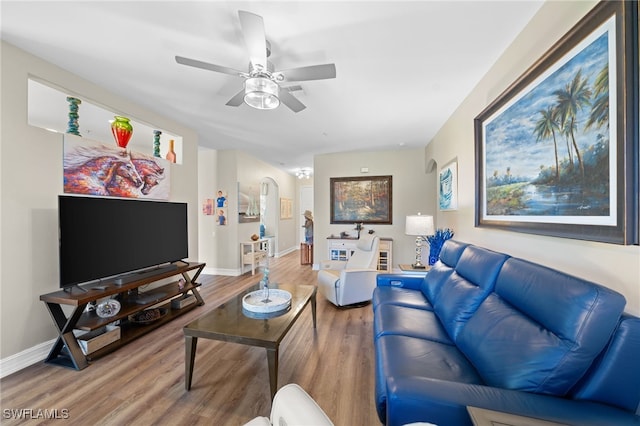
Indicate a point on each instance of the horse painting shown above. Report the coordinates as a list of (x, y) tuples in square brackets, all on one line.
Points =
[(91, 172), (150, 172), (107, 171)]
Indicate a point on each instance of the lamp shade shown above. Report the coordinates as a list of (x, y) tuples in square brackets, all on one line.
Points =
[(419, 225), (261, 93)]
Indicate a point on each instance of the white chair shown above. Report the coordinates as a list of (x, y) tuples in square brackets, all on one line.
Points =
[(353, 281), (292, 406)]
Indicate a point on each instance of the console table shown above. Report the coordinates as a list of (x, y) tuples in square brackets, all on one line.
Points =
[(252, 253), (342, 248), (67, 352)]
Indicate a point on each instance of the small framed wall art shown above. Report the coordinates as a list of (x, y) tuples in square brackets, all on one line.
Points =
[(448, 187)]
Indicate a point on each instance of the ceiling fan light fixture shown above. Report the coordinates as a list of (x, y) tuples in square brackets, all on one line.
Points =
[(261, 93)]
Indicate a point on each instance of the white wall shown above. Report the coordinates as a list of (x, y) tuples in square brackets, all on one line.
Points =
[(31, 180), (414, 190), (614, 266)]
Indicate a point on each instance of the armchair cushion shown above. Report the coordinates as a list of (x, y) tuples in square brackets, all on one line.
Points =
[(355, 282), (293, 406)]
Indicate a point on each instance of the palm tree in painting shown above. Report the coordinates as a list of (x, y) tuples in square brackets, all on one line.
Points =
[(600, 107), (566, 131), (546, 128), (570, 101)]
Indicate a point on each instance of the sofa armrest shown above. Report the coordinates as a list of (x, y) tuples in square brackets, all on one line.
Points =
[(412, 282), (413, 399), (358, 274)]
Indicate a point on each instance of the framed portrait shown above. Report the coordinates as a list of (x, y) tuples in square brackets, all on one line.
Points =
[(448, 187), (361, 200), (555, 152)]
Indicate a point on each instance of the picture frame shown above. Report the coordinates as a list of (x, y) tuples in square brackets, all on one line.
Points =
[(448, 186), (248, 202), (286, 208), (557, 152), (89, 167), (361, 200)]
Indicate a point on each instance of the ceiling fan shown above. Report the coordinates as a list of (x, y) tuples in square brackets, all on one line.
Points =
[(262, 88)]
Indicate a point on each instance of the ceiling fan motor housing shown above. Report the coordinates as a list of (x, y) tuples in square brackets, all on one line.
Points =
[(261, 92)]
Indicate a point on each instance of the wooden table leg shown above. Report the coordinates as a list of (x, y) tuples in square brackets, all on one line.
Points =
[(272, 361), (190, 344), (313, 308)]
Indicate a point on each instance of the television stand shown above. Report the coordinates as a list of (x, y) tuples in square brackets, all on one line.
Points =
[(134, 276), (70, 289), (67, 352)]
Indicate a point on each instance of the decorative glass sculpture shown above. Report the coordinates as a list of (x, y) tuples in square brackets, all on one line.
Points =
[(156, 143), (121, 130), (72, 125), (264, 283)]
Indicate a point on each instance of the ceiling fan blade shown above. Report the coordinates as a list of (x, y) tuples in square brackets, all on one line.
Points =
[(313, 72), (253, 31), (293, 88), (208, 66), (237, 99), (291, 101)]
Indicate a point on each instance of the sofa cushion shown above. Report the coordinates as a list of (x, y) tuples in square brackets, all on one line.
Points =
[(401, 297), (421, 323), (451, 252), (403, 356), (443, 268), (540, 330), (614, 378), (463, 291)]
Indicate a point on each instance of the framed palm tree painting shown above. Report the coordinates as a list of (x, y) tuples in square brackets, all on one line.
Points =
[(555, 151)]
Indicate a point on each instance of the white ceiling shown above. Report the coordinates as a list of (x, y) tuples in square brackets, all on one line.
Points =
[(402, 67)]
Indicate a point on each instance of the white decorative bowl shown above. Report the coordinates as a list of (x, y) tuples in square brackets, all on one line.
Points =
[(107, 309), (279, 300)]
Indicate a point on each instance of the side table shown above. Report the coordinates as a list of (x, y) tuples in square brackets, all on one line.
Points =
[(484, 417), (410, 270), (252, 253)]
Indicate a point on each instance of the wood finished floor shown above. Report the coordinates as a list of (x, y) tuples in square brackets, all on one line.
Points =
[(142, 383)]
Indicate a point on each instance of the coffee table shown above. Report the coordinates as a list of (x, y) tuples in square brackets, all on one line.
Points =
[(228, 323)]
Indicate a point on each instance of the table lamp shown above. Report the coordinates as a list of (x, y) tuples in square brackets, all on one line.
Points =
[(420, 226)]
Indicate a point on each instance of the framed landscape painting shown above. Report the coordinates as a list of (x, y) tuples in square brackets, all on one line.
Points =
[(555, 152), (361, 200)]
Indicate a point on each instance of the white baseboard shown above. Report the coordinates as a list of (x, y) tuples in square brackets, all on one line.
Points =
[(287, 251), (238, 272), (221, 271), (17, 362)]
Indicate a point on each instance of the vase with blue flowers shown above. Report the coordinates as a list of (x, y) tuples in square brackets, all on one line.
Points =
[(435, 243)]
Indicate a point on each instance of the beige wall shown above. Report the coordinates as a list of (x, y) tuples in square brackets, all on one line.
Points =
[(614, 266), (220, 245), (31, 180), (414, 190)]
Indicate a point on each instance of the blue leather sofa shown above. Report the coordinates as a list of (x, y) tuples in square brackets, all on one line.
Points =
[(489, 330)]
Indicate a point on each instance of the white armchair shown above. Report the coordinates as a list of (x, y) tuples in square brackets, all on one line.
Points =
[(351, 282), (294, 407)]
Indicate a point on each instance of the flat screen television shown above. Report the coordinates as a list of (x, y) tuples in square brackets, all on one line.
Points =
[(105, 237)]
